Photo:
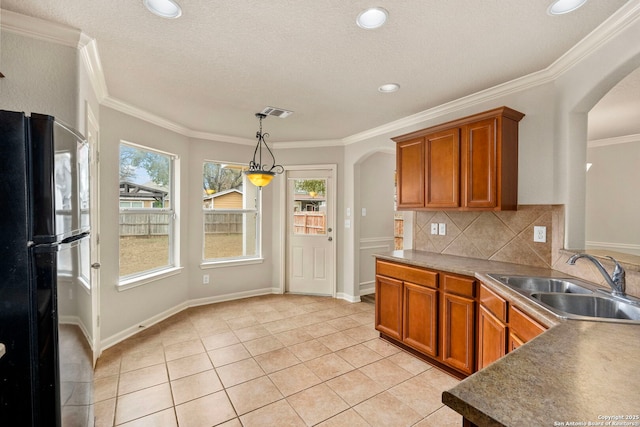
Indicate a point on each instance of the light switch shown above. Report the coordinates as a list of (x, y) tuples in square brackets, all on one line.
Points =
[(364, 211), (347, 223), (348, 211)]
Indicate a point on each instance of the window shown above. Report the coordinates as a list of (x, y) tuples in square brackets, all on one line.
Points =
[(231, 214), (147, 212)]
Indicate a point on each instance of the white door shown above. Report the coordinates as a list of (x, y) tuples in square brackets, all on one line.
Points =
[(310, 231)]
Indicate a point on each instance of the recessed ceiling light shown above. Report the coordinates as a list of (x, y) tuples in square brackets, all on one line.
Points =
[(164, 8), (560, 7), (389, 88), (372, 18)]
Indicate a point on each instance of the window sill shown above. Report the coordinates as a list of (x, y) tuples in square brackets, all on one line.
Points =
[(134, 282), (230, 263)]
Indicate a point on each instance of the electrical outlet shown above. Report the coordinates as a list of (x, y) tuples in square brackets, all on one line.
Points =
[(442, 229), (205, 279), (434, 228), (539, 234)]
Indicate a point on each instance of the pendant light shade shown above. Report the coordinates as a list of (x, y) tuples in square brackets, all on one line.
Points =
[(261, 174)]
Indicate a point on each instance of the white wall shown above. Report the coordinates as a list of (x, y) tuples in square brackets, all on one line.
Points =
[(613, 205), (40, 77), (375, 184), (123, 310), (233, 280)]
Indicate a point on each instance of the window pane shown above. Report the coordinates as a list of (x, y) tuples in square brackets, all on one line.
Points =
[(230, 213), (146, 213), (310, 207), (229, 235)]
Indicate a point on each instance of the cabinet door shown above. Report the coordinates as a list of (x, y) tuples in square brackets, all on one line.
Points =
[(458, 332), (480, 164), (442, 164), (410, 173), (522, 327), (421, 318), (514, 342), (492, 339), (389, 306)]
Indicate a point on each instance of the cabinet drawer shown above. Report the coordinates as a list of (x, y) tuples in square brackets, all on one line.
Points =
[(410, 274), (523, 326), (494, 303), (459, 285)]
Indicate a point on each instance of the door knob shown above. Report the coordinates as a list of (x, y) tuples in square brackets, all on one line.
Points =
[(330, 238), (329, 229), (95, 265)]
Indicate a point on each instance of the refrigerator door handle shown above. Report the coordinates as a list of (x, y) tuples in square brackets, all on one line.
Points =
[(75, 238)]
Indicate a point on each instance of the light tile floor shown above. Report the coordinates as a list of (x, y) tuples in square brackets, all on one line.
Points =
[(275, 360)]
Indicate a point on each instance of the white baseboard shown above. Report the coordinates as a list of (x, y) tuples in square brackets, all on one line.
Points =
[(367, 288), (75, 320), (131, 331), (347, 297)]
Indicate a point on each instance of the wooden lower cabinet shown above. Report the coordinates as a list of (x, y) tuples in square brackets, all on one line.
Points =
[(502, 327), (458, 332), (430, 312), (492, 338), (421, 318), (522, 328), (458, 321), (389, 306)]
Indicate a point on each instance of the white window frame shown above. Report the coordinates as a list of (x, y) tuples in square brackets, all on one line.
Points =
[(173, 265), (257, 258)]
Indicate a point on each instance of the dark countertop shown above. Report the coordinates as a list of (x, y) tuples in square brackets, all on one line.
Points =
[(576, 372)]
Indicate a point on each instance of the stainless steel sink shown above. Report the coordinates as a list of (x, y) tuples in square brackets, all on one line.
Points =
[(573, 298), (589, 305), (543, 284)]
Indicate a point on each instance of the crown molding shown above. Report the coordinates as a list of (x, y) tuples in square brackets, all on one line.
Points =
[(613, 141), (39, 29), (90, 57), (308, 144), (141, 114)]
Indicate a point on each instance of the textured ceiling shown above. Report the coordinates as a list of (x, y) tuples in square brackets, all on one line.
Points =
[(223, 61)]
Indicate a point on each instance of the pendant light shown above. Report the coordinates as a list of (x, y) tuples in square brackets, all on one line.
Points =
[(261, 174)]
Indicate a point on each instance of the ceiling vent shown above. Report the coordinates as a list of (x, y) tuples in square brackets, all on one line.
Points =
[(278, 112)]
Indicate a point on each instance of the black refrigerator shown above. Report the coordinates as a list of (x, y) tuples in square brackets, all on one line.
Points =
[(44, 196)]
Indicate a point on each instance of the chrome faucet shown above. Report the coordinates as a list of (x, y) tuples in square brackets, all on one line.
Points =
[(616, 280)]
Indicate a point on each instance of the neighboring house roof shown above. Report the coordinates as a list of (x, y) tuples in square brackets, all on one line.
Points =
[(131, 190), (221, 193)]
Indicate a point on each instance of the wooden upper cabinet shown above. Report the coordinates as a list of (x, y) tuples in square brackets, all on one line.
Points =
[(410, 173), (467, 164), (442, 160), (479, 164)]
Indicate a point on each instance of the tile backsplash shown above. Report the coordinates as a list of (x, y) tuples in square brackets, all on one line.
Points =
[(507, 236), (499, 236)]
